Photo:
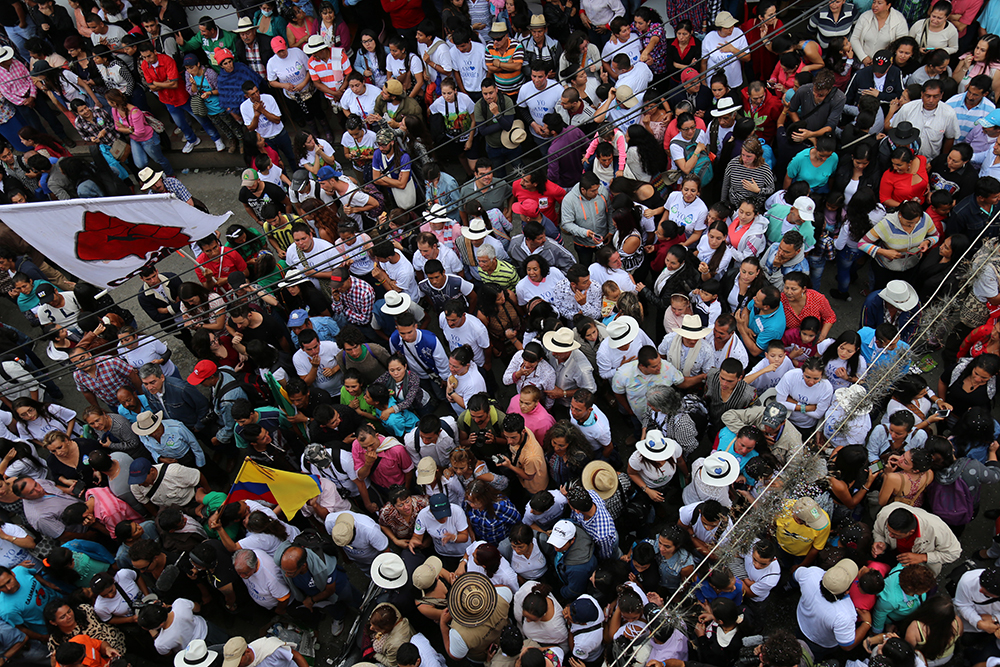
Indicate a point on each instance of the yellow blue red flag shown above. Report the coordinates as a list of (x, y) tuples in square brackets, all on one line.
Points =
[(289, 490)]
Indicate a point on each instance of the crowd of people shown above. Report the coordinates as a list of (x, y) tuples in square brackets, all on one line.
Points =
[(537, 297)]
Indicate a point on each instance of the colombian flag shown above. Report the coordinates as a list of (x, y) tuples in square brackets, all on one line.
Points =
[(289, 490)]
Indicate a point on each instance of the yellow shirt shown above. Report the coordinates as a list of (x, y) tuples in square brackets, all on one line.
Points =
[(796, 538)]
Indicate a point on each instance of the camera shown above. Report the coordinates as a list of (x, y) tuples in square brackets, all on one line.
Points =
[(497, 460)]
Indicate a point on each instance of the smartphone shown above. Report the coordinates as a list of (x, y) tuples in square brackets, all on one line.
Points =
[(875, 467), (943, 413)]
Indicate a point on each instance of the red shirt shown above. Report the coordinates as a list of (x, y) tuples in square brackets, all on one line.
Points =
[(817, 306), (546, 200), (404, 14), (769, 111), (906, 546), (222, 265), (166, 70), (900, 187)]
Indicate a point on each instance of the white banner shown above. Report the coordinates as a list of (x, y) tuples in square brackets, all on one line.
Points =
[(106, 241)]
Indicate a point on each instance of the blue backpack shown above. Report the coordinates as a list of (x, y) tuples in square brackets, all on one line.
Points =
[(954, 503), (703, 167)]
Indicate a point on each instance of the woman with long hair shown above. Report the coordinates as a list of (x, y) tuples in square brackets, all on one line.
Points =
[(370, 59), (843, 363), (200, 308), (747, 175), (300, 293), (570, 452), (44, 144), (491, 515), (684, 51), (579, 54), (62, 87), (463, 464), (935, 267), (403, 384), (850, 479), (487, 559), (973, 434), (907, 180), (907, 476), (863, 211), (406, 67), (324, 218), (609, 265), (130, 121), (33, 419), (714, 254), (740, 288), (498, 310), (645, 159), (541, 617), (912, 394), (313, 153), (627, 238), (417, 142), (747, 230), (539, 280), (933, 630), (972, 383), (215, 346), (66, 620), (19, 459), (67, 461), (465, 380), (984, 59), (679, 276)]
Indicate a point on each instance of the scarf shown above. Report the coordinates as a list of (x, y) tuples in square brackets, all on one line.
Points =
[(676, 349), (231, 86)]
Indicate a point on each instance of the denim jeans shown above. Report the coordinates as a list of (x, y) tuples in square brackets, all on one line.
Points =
[(500, 157), (846, 271), (178, 115), (144, 151), (816, 266), (283, 144), (20, 36)]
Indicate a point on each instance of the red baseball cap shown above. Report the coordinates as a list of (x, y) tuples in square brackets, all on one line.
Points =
[(278, 44), (203, 370), (528, 208)]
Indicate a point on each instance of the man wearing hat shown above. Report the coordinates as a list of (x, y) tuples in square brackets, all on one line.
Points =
[(882, 80), (722, 123), (265, 651), (914, 535), (328, 68), (984, 134), (772, 419), (572, 551), (252, 47), (687, 349), (318, 583), (393, 93), (57, 308), (541, 46), (156, 182), (504, 59), (255, 193), (303, 187), (936, 122), (443, 524), (727, 49), (168, 440), (225, 389), (586, 619), (897, 303), (354, 201), (622, 344), (573, 370), (475, 616), (801, 531), (826, 614), (299, 320), (358, 535)]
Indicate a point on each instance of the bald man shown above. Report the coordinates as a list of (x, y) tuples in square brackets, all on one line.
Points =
[(317, 584)]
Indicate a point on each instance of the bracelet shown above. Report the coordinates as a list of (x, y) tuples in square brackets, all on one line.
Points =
[(866, 488)]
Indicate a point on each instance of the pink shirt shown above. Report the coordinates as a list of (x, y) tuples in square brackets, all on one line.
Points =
[(539, 421), (110, 510), (137, 121), (392, 467)]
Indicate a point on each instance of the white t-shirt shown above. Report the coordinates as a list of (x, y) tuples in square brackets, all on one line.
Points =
[(456, 523), (539, 102), (768, 380), (310, 157), (396, 68), (677, 153), (632, 47), (267, 585), (293, 69), (473, 332), (469, 385), (328, 351), (763, 580), (470, 66), (65, 316), (652, 477), (637, 78), (686, 515), (622, 278), (441, 56), (828, 624), (361, 105), (552, 632), (504, 576), (527, 290), (428, 656), (265, 127), (149, 348), (21, 385), (547, 518), (532, 566), (597, 429), (733, 67), (706, 254), (792, 386), (447, 257), (692, 215), (272, 175), (439, 450), (463, 104), (186, 626), (11, 554), (105, 608), (321, 257), (402, 274)]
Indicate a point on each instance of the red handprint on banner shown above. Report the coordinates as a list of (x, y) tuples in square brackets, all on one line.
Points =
[(106, 238)]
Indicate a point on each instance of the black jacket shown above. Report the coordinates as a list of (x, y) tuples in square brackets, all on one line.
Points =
[(865, 79), (150, 301), (263, 43)]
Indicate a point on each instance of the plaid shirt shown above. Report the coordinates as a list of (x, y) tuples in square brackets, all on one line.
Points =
[(254, 60), (112, 375), (494, 529), (15, 83), (89, 129), (600, 527), (356, 305), (176, 188)]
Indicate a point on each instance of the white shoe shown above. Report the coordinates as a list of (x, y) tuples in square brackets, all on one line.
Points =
[(189, 146), (337, 628), (220, 145)]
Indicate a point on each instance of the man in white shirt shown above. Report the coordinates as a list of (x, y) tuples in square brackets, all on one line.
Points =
[(624, 340), (975, 588), (445, 525), (435, 437), (762, 569), (261, 115), (418, 652), (636, 76), (825, 624), (468, 58), (435, 52), (539, 96), (429, 247), (57, 308), (314, 257), (459, 329), (316, 362), (358, 535), (394, 271), (591, 421), (726, 343), (263, 579), (938, 123), (726, 47), (596, 15), (544, 509)]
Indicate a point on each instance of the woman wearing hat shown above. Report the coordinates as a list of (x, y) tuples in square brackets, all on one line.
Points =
[(654, 463)]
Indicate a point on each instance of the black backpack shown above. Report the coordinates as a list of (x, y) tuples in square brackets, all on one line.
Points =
[(314, 541), (252, 384)]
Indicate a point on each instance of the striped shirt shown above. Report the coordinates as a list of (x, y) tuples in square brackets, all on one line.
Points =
[(507, 82), (332, 72), (736, 173), (826, 28), (967, 117), (504, 277)]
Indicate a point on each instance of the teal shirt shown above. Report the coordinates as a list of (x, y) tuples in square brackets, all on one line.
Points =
[(26, 302), (802, 169), (767, 327), (892, 604)]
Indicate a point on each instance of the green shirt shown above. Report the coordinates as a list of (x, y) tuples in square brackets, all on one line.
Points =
[(223, 39)]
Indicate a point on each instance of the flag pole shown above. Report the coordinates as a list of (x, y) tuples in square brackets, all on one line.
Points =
[(236, 479)]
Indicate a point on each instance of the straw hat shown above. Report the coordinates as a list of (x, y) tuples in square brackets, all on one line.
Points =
[(691, 328), (515, 136), (396, 302), (658, 447), (601, 478), (622, 331), (561, 340), (472, 599), (388, 571), (719, 469), (476, 230), (146, 422)]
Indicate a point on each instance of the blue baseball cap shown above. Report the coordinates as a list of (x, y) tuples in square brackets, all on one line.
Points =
[(990, 120), (138, 471), (326, 172), (298, 318)]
